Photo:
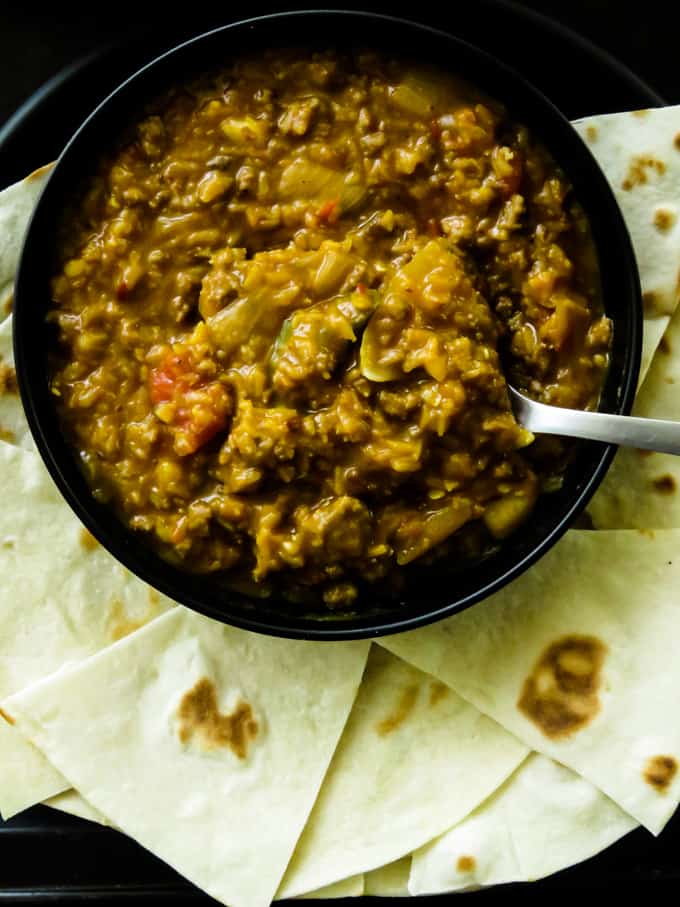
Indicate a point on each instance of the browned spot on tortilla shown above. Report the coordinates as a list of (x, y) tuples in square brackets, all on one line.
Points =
[(663, 219), (120, 624), (641, 113), (39, 172), (87, 540), (8, 379), (651, 302), (676, 141), (645, 453), (591, 133), (660, 771), (466, 864), (8, 718), (560, 695), (665, 346), (199, 715), (649, 533), (9, 304), (404, 708), (638, 171), (664, 484), (438, 691), (6, 434)]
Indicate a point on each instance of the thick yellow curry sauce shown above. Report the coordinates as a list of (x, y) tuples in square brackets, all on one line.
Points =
[(287, 305)]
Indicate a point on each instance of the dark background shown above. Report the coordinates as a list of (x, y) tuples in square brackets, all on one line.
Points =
[(35, 43)]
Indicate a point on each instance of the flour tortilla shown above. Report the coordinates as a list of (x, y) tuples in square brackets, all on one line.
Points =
[(16, 206), (26, 776), (543, 819), (389, 881), (353, 887), (640, 154), (414, 759), (72, 803), (62, 598), (614, 139), (120, 727), (642, 489), (13, 425), (618, 590)]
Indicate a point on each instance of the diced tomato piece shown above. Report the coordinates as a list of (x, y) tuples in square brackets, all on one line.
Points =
[(200, 409), (161, 386), (171, 378), (328, 212), (177, 366), (361, 287), (192, 438)]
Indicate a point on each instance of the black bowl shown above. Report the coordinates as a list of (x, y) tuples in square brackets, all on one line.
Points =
[(430, 593)]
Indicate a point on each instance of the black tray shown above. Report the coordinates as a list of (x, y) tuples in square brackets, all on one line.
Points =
[(46, 856)]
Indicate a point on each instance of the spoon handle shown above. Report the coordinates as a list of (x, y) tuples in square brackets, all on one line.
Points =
[(661, 435)]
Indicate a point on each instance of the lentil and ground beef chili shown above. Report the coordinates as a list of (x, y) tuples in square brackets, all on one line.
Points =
[(286, 307)]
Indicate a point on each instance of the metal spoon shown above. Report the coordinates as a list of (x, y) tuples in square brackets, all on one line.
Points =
[(660, 435)]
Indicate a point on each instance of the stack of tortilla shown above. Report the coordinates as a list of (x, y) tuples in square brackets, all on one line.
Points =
[(503, 744)]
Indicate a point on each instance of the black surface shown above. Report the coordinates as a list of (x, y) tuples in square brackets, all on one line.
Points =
[(48, 857), (35, 45), (37, 40)]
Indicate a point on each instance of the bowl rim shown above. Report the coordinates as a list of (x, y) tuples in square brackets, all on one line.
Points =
[(119, 541)]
